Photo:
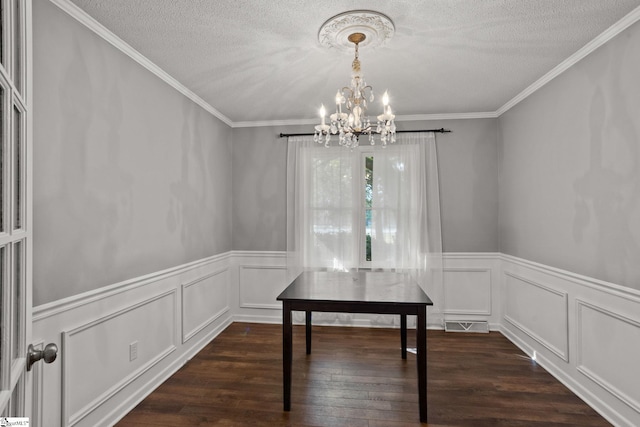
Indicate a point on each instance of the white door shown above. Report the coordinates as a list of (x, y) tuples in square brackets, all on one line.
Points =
[(15, 206)]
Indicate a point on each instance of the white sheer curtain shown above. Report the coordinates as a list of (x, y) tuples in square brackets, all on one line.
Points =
[(371, 207), (322, 230)]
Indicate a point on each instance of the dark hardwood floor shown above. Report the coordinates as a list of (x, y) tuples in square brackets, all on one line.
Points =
[(356, 377)]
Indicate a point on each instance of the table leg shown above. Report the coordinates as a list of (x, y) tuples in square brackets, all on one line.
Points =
[(286, 353), (403, 335), (308, 330), (421, 356)]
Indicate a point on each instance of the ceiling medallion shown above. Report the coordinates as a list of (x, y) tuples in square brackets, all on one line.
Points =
[(376, 27), (357, 28)]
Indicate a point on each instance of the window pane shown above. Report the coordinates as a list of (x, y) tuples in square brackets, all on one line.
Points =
[(16, 299), (331, 236), (17, 168), (330, 182)]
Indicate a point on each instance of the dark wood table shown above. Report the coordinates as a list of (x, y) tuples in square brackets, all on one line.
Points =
[(361, 292)]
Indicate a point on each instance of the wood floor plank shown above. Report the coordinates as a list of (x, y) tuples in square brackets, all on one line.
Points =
[(355, 377)]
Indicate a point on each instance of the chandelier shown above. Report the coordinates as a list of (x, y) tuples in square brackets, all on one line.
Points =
[(350, 121)]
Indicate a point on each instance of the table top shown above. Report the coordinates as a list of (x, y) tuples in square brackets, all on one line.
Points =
[(361, 286)]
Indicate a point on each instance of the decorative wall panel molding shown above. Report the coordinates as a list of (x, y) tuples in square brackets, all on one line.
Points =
[(576, 339), (472, 287), (608, 350), (204, 300), (604, 337), (260, 285), (95, 332), (467, 291), (101, 350), (539, 311)]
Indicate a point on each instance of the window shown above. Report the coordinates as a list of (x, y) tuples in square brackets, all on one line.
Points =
[(370, 207), (358, 206)]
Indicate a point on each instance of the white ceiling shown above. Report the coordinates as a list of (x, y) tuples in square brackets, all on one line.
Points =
[(258, 60)]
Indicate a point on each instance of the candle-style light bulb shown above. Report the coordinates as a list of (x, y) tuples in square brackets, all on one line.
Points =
[(338, 102), (385, 98), (322, 113)]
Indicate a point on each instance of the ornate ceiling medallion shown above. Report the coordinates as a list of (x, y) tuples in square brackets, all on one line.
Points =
[(376, 27)]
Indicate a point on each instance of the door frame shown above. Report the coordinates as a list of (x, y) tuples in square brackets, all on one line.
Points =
[(16, 78)]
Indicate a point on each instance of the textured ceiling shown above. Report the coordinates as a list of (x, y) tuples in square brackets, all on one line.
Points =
[(259, 60)]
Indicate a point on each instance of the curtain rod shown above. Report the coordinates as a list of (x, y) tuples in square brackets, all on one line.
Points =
[(441, 130)]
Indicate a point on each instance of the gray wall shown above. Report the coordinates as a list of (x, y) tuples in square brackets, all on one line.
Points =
[(570, 168), (468, 166), (130, 177), (259, 188)]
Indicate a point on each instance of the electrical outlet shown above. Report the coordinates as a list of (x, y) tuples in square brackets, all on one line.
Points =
[(133, 351)]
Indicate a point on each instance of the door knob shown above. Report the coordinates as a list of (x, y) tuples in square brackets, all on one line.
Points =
[(49, 354)]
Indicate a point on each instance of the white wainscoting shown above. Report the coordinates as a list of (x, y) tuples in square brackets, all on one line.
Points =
[(608, 349), (260, 285), (169, 316), (470, 287), (583, 331), (523, 302), (150, 325), (259, 277), (204, 300), (535, 306), (468, 293)]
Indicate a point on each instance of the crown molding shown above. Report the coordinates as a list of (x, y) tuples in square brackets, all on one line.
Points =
[(608, 34), (447, 116), (260, 123), (93, 25), (407, 118), (85, 19)]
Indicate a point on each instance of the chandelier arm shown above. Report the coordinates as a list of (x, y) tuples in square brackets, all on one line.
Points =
[(349, 89), (363, 91)]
